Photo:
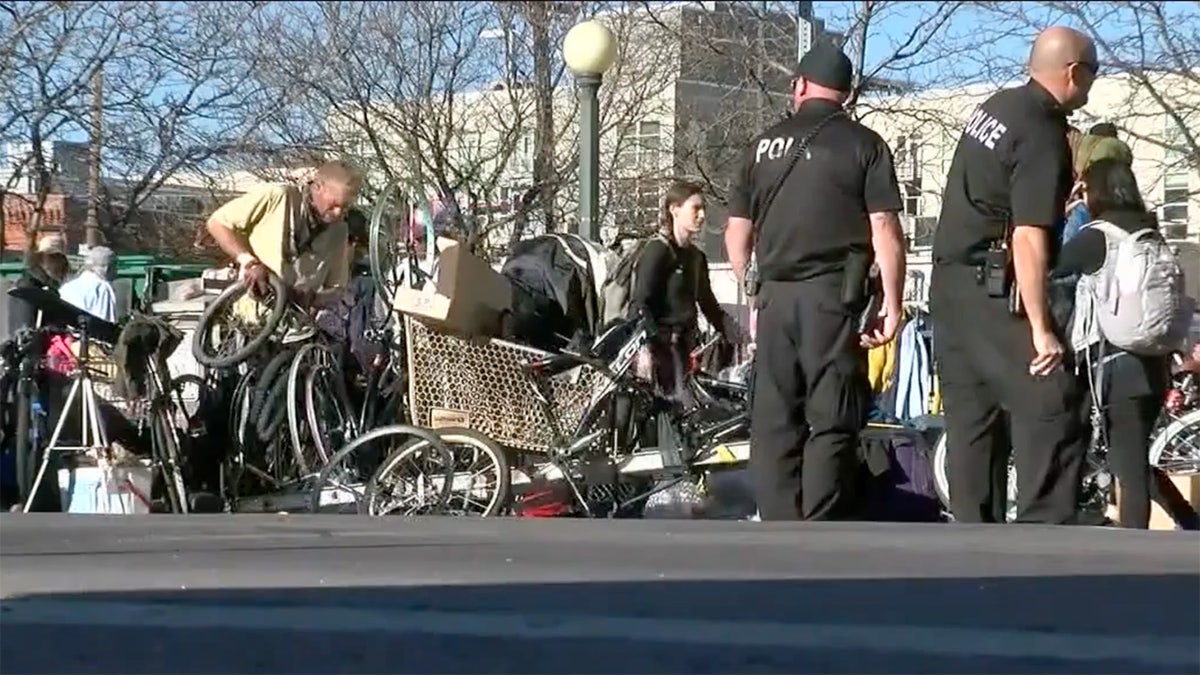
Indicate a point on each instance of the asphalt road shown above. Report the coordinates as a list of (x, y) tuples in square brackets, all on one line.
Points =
[(317, 594)]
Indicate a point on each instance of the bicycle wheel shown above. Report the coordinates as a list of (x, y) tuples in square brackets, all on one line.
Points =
[(341, 485), (266, 393), (193, 397), (219, 355), (1176, 448), (481, 482), (941, 479), (240, 411), (386, 240), (331, 419), (309, 455)]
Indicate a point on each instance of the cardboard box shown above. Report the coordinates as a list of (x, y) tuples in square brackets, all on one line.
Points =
[(467, 297), (1189, 487), (122, 490)]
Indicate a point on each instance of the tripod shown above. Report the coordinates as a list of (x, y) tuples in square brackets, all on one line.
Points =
[(92, 432)]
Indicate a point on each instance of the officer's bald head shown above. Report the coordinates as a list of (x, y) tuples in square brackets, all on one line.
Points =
[(1063, 60)]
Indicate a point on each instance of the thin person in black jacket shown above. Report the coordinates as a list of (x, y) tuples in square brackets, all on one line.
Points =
[(670, 282), (1133, 386), (47, 270)]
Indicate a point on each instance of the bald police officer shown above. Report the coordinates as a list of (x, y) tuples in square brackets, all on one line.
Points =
[(999, 351), (817, 200)]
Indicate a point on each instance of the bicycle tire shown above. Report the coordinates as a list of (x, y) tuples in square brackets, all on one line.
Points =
[(314, 503), (941, 479), (310, 409), (266, 381), (1163, 439), (204, 328), (941, 471), (170, 464), (379, 241), (293, 412), (274, 411), (238, 408), (454, 437), (203, 397)]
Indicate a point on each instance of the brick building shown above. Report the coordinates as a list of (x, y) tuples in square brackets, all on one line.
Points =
[(61, 214)]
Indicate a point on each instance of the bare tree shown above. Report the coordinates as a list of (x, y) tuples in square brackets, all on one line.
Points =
[(471, 99), (173, 102), (532, 30), (1148, 85), (203, 107), (740, 60), (1153, 47), (51, 51), (383, 89)]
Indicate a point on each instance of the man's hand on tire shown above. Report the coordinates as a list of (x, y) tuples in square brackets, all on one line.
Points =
[(253, 273)]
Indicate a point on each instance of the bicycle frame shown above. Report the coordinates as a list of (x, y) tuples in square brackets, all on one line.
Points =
[(614, 375)]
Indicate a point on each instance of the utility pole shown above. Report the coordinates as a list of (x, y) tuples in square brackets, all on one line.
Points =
[(94, 142)]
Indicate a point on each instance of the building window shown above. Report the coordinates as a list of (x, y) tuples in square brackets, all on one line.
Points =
[(920, 231), (635, 203), (1175, 152), (907, 158), (640, 151), (911, 190), (1175, 197), (1176, 177)]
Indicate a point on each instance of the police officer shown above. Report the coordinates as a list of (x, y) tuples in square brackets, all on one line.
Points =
[(814, 238), (999, 351)]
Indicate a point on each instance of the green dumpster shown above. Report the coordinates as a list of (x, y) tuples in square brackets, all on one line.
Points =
[(132, 275)]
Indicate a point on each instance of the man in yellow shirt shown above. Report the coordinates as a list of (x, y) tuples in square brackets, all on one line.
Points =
[(298, 233)]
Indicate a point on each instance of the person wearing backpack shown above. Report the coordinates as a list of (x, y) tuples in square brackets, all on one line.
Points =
[(1131, 381), (669, 282)]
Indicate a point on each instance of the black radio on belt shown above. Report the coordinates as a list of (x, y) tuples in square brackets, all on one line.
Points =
[(999, 277), (995, 270)]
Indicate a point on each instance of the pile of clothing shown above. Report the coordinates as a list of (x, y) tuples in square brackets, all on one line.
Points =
[(901, 373)]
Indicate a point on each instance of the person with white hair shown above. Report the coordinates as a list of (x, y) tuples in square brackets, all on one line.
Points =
[(92, 291), (298, 233)]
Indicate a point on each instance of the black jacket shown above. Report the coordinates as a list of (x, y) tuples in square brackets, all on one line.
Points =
[(671, 282), (21, 313), (1125, 375)]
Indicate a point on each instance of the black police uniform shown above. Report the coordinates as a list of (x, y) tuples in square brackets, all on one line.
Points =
[(1012, 166), (810, 384)]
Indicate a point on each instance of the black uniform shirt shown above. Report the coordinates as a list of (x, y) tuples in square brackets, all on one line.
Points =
[(1012, 166), (820, 212)]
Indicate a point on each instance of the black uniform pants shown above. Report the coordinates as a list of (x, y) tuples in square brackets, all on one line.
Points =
[(983, 353), (810, 401)]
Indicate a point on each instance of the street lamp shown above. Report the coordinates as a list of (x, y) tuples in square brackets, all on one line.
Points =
[(589, 50)]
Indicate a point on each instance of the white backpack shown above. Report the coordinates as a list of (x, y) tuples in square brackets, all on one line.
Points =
[(1137, 296)]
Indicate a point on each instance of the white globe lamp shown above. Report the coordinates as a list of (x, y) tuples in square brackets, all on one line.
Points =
[(589, 50)]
